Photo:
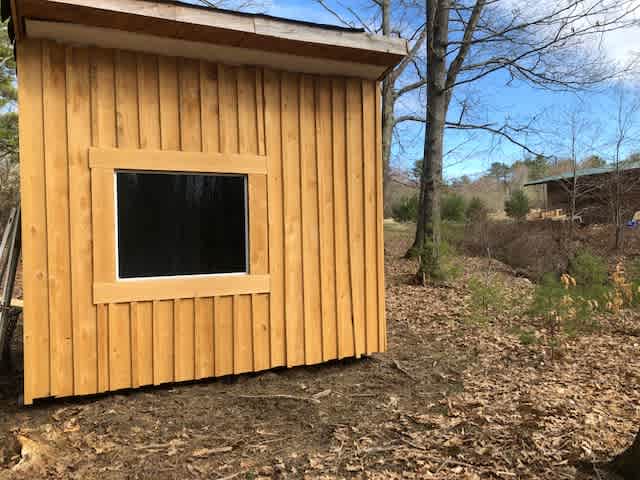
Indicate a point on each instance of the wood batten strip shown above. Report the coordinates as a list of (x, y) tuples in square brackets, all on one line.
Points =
[(58, 228), (326, 217), (177, 161), (355, 203), (382, 323), (85, 366), (370, 224), (103, 133), (37, 376), (341, 211), (294, 311), (180, 287), (273, 145), (310, 228), (123, 355)]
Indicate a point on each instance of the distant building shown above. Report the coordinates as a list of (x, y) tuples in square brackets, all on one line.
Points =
[(595, 192)]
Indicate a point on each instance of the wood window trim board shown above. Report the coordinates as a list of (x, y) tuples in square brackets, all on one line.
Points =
[(174, 161), (107, 288)]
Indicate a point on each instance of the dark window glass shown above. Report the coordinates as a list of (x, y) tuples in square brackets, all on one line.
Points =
[(180, 224)]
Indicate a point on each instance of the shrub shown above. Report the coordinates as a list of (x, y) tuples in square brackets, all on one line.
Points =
[(567, 307), (453, 207), (448, 268), (517, 205), (406, 210), (527, 337), (588, 269), (477, 210), (487, 296)]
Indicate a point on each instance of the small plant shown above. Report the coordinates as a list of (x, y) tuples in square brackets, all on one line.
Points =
[(487, 296), (632, 271), (527, 337), (517, 205), (476, 210), (566, 307), (588, 269), (453, 208), (406, 210), (622, 293)]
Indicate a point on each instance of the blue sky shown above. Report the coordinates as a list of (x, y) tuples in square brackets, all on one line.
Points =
[(472, 154)]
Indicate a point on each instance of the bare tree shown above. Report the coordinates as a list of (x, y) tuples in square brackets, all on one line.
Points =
[(550, 44), (578, 137), (622, 183)]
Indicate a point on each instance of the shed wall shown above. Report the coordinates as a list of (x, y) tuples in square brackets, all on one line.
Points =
[(315, 218)]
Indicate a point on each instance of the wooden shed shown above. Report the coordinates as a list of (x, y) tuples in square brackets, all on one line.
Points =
[(201, 193)]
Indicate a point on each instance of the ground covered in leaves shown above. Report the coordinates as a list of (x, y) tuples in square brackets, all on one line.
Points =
[(454, 398)]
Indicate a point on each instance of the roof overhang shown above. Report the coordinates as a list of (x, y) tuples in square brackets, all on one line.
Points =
[(178, 29)]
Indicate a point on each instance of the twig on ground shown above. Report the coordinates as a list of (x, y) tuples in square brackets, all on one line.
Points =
[(229, 477), (442, 465), (280, 396), (403, 370)]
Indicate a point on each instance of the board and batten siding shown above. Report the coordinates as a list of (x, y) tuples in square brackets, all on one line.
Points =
[(315, 219)]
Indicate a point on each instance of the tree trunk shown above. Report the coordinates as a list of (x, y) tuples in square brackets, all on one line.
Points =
[(387, 135), (387, 114), (627, 464), (428, 234)]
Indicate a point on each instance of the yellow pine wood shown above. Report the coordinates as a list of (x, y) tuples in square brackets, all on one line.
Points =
[(315, 215), (260, 315), (228, 98), (242, 335), (119, 346), (204, 337), (103, 133), (355, 203), (309, 219), (223, 348), (260, 112), (142, 343), (341, 212), (370, 217), (204, 321), (184, 339), (85, 362), (34, 224), (149, 117), (382, 319), (273, 144), (191, 141), (149, 102), (123, 357), (209, 107), (58, 241), (247, 111), (177, 161), (102, 347), (164, 364), (163, 351), (290, 104), (259, 262), (326, 218)]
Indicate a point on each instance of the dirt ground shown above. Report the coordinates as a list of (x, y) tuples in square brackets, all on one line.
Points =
[(452, 399)]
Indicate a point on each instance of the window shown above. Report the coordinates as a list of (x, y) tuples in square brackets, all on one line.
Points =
[(171, 224)]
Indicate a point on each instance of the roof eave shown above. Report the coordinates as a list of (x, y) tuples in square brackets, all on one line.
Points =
[(257, 32)]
